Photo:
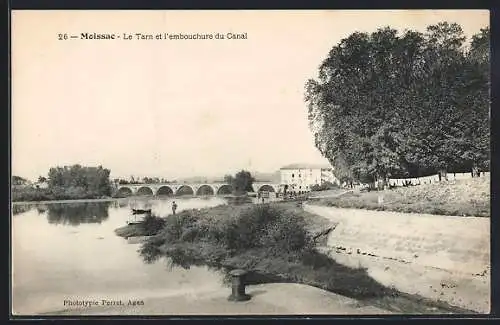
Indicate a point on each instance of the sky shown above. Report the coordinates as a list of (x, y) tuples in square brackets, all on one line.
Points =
[(179, 108)]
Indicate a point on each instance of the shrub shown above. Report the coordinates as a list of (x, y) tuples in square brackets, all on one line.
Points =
[(152, 224), (55, 193), (150, 250), (246, 230), (275, 228), (176, 225), (324, 186), (31, 194)]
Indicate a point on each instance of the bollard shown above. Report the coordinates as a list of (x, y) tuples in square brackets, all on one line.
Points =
[(238, 286)]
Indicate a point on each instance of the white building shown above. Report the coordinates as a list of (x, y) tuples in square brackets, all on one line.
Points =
[(300, 177)]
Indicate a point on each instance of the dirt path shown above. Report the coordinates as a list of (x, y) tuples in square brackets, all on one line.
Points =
[(438, 257)]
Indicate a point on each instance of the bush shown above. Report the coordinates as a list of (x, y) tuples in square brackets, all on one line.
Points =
[(55, 193), (176, 225), (324, 186), (152, 224), (286, 234), (237, 229), (246, 230), (151, 251), (31, 194)]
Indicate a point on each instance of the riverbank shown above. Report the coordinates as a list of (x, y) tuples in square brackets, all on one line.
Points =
[(444, 258), (275, 242), (67, 201), (33, 194), (112, 199), (466, 197)]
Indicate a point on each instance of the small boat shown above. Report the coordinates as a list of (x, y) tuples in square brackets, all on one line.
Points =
[(140, 211)]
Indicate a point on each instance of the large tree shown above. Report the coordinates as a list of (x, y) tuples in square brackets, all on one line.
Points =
[(241, 182), (93, 181), (394, 105)]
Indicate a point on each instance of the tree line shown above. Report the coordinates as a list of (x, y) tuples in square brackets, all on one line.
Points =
[(82, 182), (69, 182), (241, 182), (389, 104)]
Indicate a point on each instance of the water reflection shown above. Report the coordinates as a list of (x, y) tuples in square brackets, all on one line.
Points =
[(74, 214), (87, 260), (41, 209), (118, 204), (20, 208), (52, 263)]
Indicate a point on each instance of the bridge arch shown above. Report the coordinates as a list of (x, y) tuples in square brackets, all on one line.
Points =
[(266, 187), (124, 191), (145, 190), (205, 190), (184, 190), (165, 190), (225, 189)]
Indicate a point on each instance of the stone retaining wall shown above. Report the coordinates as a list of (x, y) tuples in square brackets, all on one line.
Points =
[(457, 244), (439, 257)]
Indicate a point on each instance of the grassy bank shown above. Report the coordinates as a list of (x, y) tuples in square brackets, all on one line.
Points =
[(273, 241), (31, 194), (468, 197)]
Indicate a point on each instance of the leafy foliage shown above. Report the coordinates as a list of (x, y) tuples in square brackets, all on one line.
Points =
[(235, 230), (81, 180), (69, 182), (18, 180), (151, 224), (324, 186), (402, 105), (241, 182)]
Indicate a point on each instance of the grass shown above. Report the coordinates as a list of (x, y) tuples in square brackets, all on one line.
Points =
[(468, 197), (275, 243)]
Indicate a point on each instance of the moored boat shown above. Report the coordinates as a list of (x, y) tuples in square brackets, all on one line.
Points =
[(141, 211)]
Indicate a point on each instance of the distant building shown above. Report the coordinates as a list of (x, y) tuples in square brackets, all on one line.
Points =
[(300, 177)]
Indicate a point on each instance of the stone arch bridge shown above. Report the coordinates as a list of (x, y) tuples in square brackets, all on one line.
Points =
[(200, 189)]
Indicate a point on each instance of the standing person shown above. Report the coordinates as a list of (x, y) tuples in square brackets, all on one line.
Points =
[(174, 207)]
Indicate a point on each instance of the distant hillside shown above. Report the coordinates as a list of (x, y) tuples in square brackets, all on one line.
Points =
[(273, 177)]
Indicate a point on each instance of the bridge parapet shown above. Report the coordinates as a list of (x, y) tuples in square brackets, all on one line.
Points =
[(189, 188)]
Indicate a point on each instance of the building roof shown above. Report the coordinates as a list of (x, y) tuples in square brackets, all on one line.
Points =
[(306, 166)]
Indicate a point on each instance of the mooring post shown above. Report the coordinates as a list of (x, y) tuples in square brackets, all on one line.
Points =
[(238, 286)]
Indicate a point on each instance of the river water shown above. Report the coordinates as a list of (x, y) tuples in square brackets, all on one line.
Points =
[(69, 251)]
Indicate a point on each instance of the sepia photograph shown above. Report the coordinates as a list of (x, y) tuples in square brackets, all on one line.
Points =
[(250, 162)]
